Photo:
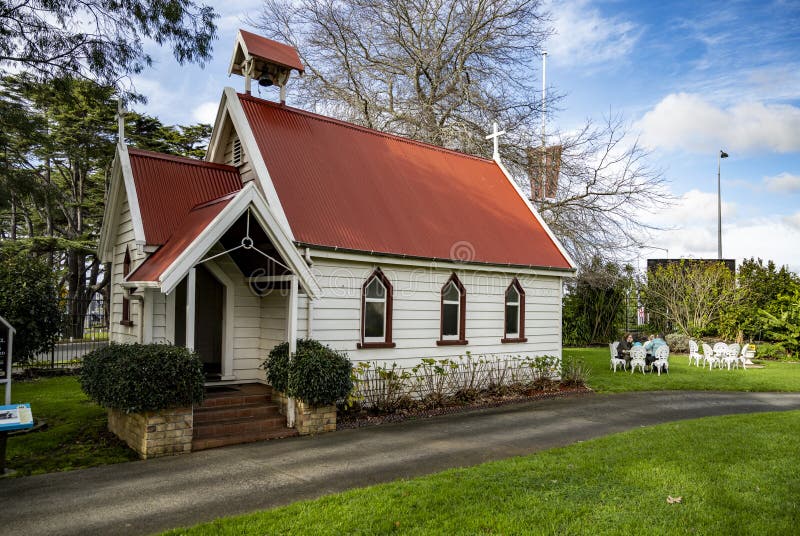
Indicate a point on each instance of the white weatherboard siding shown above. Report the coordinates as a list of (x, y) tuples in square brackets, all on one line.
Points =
[(159, 319), (417, 312), (124, 239)]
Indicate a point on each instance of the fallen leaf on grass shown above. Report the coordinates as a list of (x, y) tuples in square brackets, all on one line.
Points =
[(673, 500)]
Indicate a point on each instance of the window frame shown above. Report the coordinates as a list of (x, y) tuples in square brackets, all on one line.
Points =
[(520, 335), (461, 337), (126, 301), (386, 340)]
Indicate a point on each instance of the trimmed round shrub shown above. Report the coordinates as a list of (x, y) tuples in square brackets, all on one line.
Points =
[(137, 378), (317, 375), (277, 366), (677, 342)]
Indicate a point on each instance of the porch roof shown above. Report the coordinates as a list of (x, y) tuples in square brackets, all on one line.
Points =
[(195, 222), (204, 226), (169, 188)]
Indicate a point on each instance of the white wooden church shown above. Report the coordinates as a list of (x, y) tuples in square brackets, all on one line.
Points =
[(298, 225)]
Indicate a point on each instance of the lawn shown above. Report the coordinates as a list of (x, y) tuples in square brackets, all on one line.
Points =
[(734, 475), (75, 436), (775, 376)]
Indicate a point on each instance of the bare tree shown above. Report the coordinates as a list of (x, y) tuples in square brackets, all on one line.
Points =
[(442, 71), (606, 190)]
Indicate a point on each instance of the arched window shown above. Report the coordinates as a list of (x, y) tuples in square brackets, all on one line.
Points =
[(514, 313), (376, 312), (454, 313), (126, 302)]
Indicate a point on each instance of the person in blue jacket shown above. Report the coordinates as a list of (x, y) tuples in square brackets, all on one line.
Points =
[(655, 342)]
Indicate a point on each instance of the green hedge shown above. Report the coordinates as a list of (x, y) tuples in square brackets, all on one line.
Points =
[(317, 375), (136, 378), (29, 302)]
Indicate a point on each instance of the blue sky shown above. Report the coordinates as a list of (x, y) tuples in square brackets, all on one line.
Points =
[(690, 77)]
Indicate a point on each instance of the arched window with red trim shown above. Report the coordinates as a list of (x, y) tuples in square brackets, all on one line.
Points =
[(453, 313), (376, 312), (514, 313), (126, 302)]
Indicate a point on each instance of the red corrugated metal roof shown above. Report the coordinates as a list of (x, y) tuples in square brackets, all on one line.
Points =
[(272, 50), (194, 222), (168, 187), (349, 187)]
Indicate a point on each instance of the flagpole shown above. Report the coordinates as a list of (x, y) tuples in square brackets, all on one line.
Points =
[(722, 154), (543, 160)]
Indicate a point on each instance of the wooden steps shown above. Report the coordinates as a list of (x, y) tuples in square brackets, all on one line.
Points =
[(234, 414)]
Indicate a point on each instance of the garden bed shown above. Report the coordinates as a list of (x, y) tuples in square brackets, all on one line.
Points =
[(358, 419)]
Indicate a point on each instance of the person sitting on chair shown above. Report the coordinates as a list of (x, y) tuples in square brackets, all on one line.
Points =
[(655, 342), (624, 347)]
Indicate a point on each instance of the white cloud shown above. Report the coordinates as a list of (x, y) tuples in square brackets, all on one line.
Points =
[(691, 232), (784, 182), (206, 112), (691, 123), (793, 220), (583, 36), (694, 206)]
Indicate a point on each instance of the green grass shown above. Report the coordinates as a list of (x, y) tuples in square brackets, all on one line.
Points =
[(735, 475), (76, 435), (775, 376)]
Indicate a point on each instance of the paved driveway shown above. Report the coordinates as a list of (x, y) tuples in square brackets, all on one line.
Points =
[(149, 496)]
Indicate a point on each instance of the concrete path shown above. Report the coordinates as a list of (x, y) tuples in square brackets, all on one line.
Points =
[(154, 495)]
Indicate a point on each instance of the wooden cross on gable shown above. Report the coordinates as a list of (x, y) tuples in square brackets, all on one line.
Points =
[(495, 136)]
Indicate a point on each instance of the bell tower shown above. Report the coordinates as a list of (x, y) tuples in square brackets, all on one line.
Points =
[(268, 62)]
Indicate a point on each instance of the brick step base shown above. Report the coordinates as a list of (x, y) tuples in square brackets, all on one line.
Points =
[(237, 395), (222, 441), (225, 413), (236, 414), (238, 426)]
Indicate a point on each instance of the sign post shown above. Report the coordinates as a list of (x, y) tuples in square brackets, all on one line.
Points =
[(12, 417), (6, 345)]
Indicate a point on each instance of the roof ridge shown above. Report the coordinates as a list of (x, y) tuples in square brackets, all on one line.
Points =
[(366, 130), (180, 159), (203, 204)]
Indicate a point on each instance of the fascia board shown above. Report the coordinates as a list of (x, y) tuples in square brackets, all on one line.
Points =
[(246, 136), (201, 245), (431, 264), (105, 247), (130, 191)]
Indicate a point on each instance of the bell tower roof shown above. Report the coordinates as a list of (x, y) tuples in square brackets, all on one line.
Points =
[(263, 52)]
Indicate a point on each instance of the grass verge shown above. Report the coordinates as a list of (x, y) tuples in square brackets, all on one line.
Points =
[(76, 435), (734, 475), (775, 376)]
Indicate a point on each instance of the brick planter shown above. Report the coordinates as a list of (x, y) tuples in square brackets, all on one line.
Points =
[(154, 434), (314, 420), (307, 419)]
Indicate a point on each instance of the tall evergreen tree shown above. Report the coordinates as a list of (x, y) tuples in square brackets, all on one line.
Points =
[(56, 149)]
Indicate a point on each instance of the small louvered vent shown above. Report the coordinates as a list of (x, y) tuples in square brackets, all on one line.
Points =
[(237, 156)]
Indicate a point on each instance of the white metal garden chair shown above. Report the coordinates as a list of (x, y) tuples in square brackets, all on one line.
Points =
[(748, 353), (735, 346), (662, 359), (731, 358), (709, 357), (694, 353), (638, 355), (720, 350), (615, 361)]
